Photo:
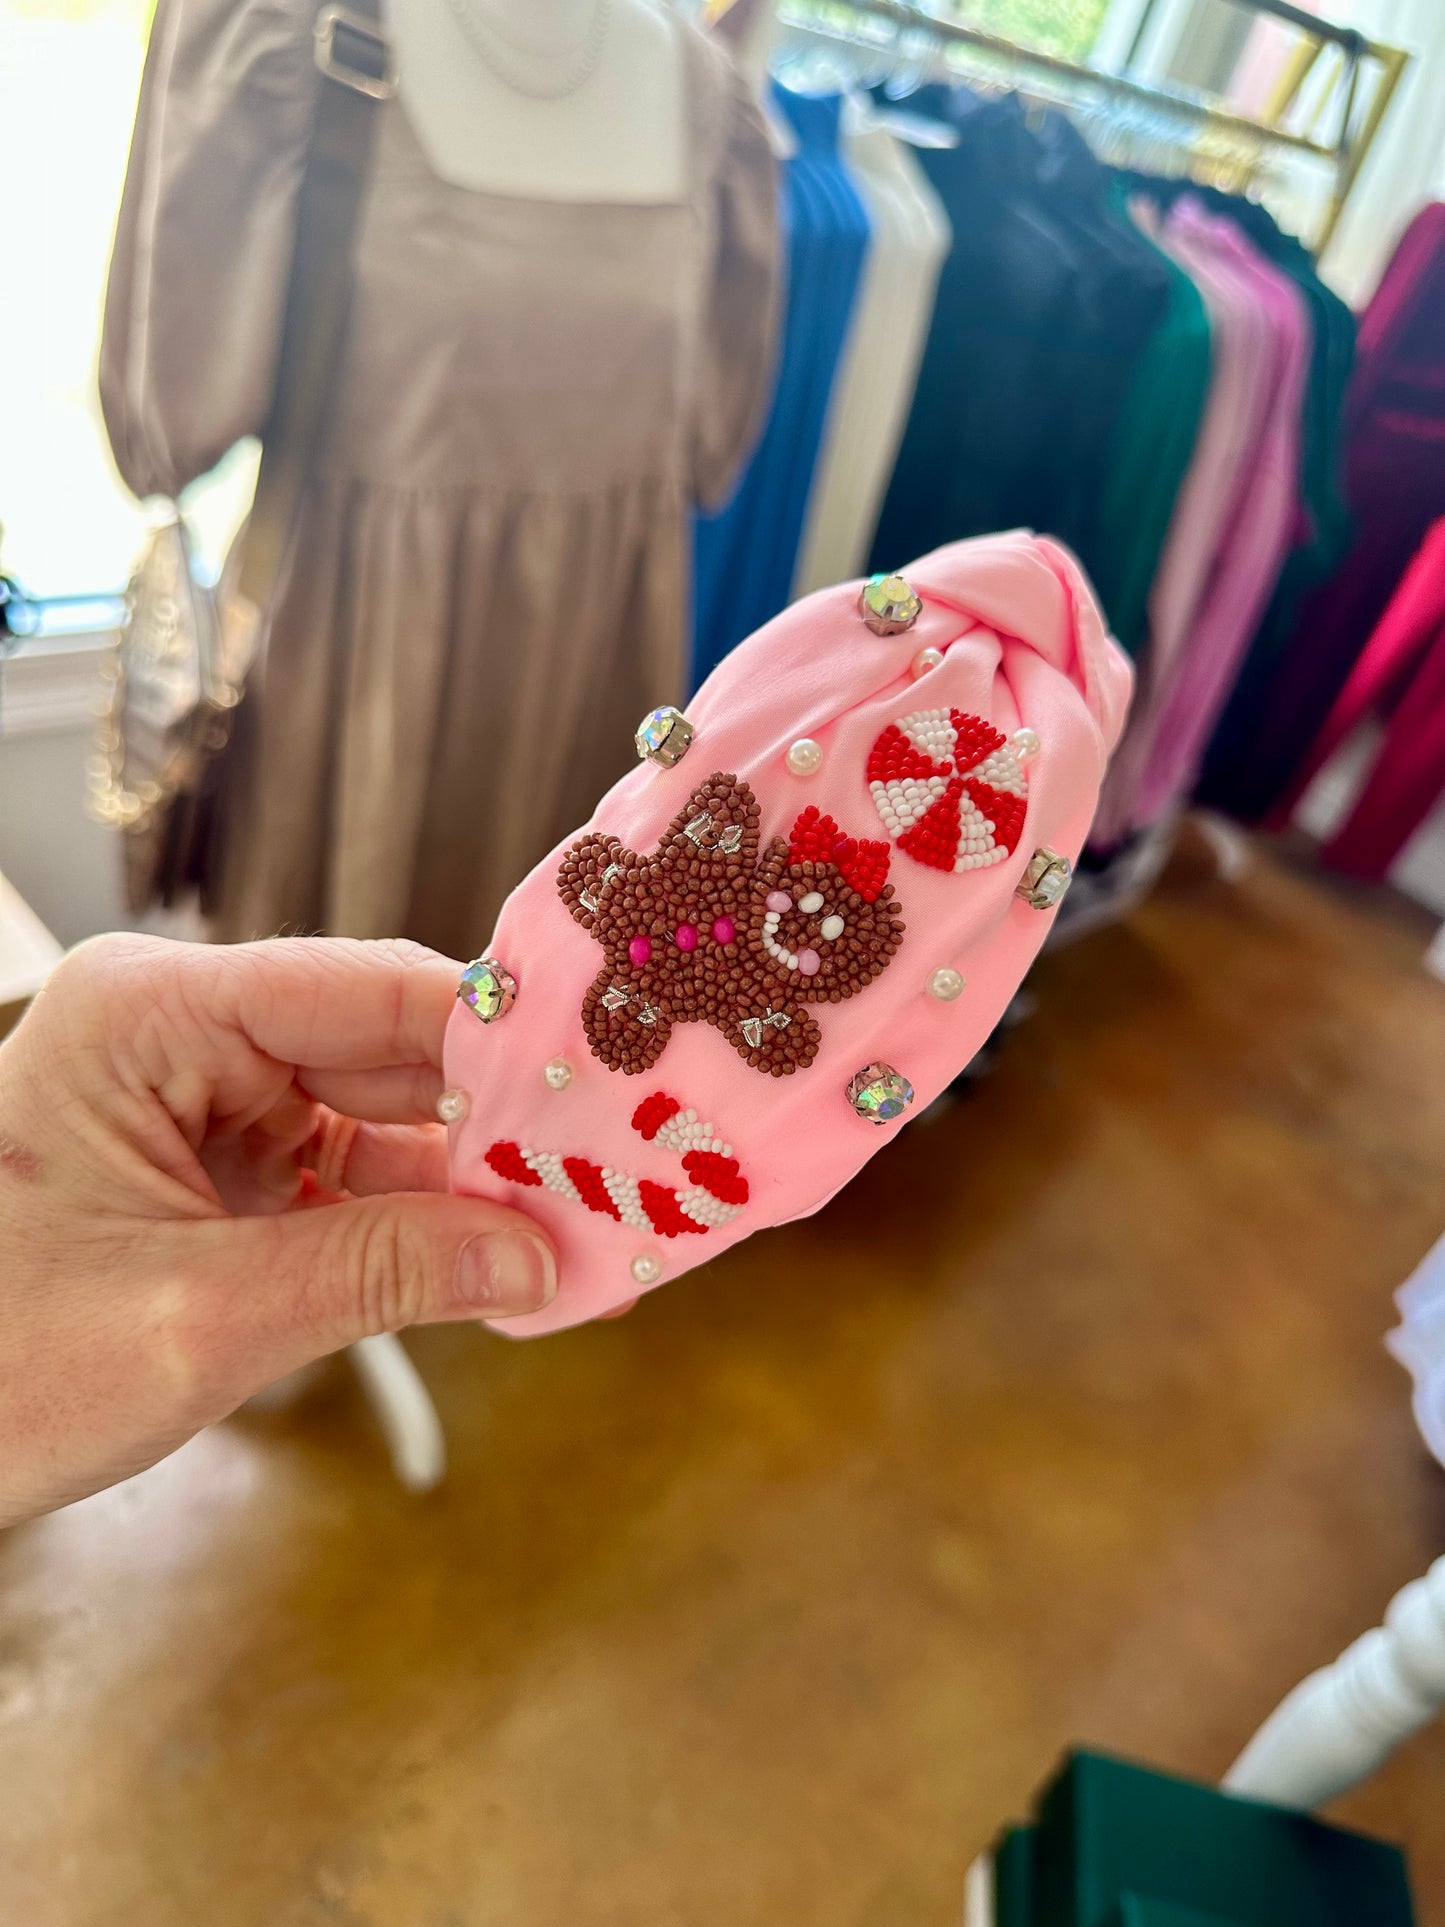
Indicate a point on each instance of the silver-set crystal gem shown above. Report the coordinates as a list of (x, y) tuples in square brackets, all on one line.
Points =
[(488, 989), (888, 604), (664, 737), (1044, 882), (879, 1093)]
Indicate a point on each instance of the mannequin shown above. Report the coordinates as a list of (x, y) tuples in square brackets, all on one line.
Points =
[(492, 558), (553, 100), (750, 28)]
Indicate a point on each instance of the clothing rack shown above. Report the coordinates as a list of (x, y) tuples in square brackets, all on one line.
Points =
[(849, 22)]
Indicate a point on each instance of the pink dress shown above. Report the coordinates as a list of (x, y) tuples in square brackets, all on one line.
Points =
[(1232, 521), (1263, 522)]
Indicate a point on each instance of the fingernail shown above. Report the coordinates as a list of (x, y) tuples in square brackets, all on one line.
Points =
[(506, 1273)]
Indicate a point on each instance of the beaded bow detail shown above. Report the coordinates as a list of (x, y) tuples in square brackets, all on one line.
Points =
[(713, 928), (950, 788)]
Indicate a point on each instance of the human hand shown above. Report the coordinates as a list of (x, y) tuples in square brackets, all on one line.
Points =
[(217, 1164)]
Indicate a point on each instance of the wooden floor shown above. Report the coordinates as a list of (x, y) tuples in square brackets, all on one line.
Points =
[(1070, 1421)]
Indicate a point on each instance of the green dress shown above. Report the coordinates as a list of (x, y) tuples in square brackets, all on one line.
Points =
[(1153, 442)]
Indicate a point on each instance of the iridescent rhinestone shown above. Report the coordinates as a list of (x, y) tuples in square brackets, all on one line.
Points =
[(664, 736), (888, 604), (452, 1106), (488, 989), (880, 1093), (1044, 882)]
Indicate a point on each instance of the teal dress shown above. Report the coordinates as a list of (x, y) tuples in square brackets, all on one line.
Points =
[(1150, 451)]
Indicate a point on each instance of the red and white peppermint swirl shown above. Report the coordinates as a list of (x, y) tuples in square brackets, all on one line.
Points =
[(950, 788)]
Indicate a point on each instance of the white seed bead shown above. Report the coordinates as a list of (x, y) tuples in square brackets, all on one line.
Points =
[(1026, 743), (558, 1074), (945, 984), (926, 659), (452, 1106), (805, 758), (647, 1268)]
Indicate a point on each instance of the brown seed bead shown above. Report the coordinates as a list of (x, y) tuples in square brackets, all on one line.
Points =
[(689, 880)]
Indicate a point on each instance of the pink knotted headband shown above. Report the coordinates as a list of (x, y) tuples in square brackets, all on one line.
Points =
[(793, 923)]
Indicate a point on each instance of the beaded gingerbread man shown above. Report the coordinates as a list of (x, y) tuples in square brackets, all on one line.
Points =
[(709, 929)]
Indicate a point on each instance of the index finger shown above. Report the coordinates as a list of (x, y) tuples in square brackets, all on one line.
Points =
[(336, 1003)]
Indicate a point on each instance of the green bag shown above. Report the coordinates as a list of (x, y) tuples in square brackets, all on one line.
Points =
[(1117, 1845)]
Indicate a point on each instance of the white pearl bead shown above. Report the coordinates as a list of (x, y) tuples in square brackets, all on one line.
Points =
[(926, 659), (1026, 743), (832, 928), (647, 1268), (946, 984), (452, 1106), (558, 1074), (805, 758), (811, 903)]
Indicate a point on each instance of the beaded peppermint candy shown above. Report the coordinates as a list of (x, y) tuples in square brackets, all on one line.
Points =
[(715, 1197), (712, 928), (950, 788)]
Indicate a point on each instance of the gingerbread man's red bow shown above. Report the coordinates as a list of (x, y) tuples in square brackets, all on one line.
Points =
[(817, 839)]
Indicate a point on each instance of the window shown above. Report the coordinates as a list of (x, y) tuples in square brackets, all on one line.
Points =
[(1065, 27), (75, 65), (73, 71)]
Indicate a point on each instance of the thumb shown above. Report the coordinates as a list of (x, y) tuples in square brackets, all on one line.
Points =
[(275, 1292)]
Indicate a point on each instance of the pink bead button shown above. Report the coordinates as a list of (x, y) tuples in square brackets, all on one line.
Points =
[(640, 950), (724, 930), (780, 901), (686, 936), (809, 962)]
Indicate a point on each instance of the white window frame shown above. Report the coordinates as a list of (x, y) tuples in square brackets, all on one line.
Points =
[(50, 683)]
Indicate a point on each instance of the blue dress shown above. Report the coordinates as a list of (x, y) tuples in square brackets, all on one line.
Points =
[(745, 555)]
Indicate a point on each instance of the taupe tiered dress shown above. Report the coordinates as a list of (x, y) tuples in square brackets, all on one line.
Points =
[(489, 585)]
